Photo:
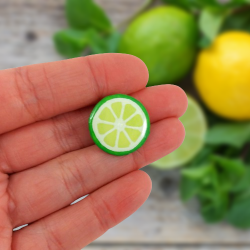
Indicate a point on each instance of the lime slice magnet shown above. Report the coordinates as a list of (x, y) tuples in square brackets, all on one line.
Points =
[(119, 124)]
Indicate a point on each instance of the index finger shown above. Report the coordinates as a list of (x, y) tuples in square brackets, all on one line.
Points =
[(37, 92)]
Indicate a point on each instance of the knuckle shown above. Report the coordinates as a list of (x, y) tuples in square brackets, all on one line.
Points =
[(102, 213), (99, 76), (66, 133), (12, 207), (34, 92), (139, 158), (61, 127), (4, 161), (72, 177), (53, 241)]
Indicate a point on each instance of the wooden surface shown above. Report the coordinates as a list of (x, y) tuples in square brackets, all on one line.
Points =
[(163, 219), (163, 222), (19, 18)]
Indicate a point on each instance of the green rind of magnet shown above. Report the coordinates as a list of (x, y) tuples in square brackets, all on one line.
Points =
[(99, 144)]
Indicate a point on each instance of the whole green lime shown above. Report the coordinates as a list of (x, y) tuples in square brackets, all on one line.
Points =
[(165, 38)]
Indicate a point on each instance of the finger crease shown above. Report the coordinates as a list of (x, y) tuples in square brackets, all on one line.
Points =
[(103, 225), (89, 165), (12, 206), (73, 132), (36, 113), (4, 161), (138, 158), (64, 177), (60, 139), (52, 238), (50, 89), (98, 88), (70, 176)]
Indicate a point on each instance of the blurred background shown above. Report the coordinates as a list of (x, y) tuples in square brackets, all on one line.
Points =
[(201, 192)]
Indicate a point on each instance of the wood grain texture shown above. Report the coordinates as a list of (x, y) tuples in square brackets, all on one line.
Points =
[(20, 18), (26, 28)]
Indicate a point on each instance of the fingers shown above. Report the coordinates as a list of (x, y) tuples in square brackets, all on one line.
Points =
[(45, 140), (163, 101), (42, 141), (38, 92), (5, 224), (76, 226), (40, 191)]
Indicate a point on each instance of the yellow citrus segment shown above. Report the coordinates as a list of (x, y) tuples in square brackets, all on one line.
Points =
[(128, 111), (135, 121), (134, 134), (110, 139), (117, 108), (123, 141), (106, 115), (104, 128)]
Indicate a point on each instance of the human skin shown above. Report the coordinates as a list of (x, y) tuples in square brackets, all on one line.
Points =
[(48, 159)]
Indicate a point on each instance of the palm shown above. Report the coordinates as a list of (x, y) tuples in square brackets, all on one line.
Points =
[(48, 160)]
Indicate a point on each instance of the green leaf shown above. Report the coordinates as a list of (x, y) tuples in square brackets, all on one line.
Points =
[(83, 14), (230, 151), (204, 42), (215, 210), (212, 196), (239, 213), (230, 171), (195, 179), (212, 118), (193, 4), (234, 167), (71, 43), (236, 3), (189, 188), (247, 154), (211, 20), (214, 183), (97, 43), (234, 134), (203, 156), (197, 173), (191, 181), (238, 21), (113, 42), (243, 183)]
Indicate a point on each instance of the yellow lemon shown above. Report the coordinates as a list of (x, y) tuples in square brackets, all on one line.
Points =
[(222, 75)]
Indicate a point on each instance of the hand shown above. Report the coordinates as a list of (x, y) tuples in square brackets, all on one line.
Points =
[(48, 160)]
